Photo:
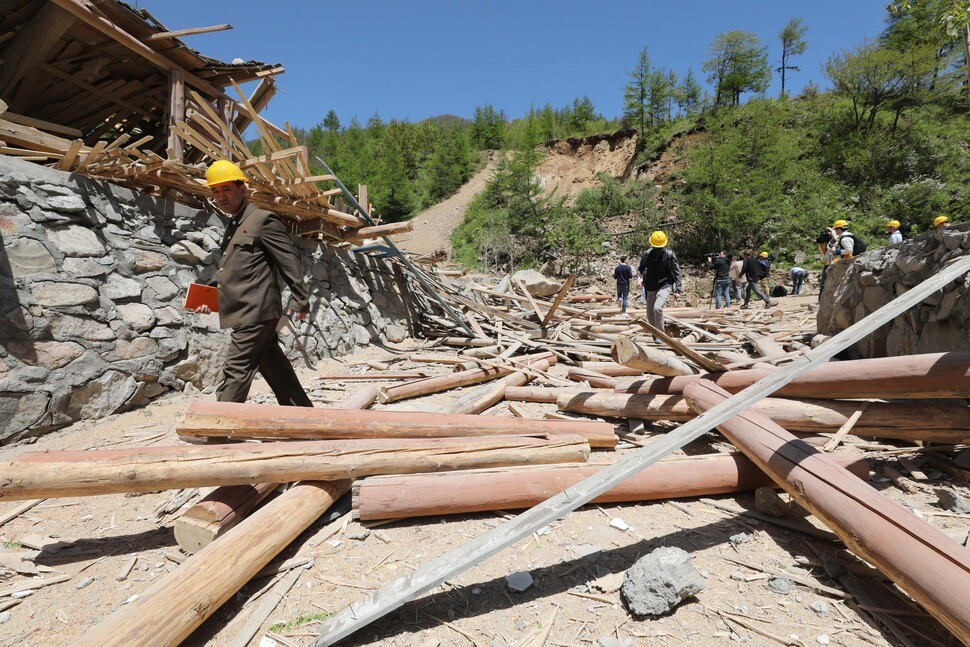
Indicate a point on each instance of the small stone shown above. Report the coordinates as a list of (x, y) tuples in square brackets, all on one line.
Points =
[(4, 617), (519, 581), (740, 538), (780, 585), (822, 640), (738, 576), (619, 524), (477, 590), (766, 500), (66, 203), (820, 607), (21, 594), (360, 534), (951, 501), (84, 582), (75, 240), (395, 333), (608, 641)]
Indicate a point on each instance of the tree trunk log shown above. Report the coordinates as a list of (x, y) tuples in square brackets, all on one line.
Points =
[(439, 383), (214, 515), (594, 379), (627, 352), (273, 422), (398, 497), (544, 394), (611, 369), (36, 475), (924, 562), (906, 421), (934, 375), (170, 610), (483, 397)]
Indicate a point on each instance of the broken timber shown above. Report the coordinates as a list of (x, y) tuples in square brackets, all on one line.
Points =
[(628, 353), (147, 469), (394, 594), (924, 562)]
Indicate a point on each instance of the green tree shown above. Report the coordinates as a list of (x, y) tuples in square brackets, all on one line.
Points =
[(636, 94), (688, 94), (793, 43), (738, 63), (583, 113), (488, 128), (331, 122), (659, 89)]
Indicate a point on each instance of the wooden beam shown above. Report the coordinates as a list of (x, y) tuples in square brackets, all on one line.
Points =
[(31, 47), (387, 229), (84, 12), (176, 112), (923, 561), (36, 475), (40, 124), (266, 421), (95, 90), (259, 99), (217, 513), (170, 610), (188, 32), (469, 491), (391, 596), (559, 297), (680, 347)]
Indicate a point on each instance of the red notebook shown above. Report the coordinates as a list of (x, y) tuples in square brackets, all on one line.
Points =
[(202, 295)]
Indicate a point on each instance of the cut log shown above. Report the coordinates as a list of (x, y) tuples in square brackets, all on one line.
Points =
[(949, 423), (214, 515), (174, 606), (398, 497), (933, 375), (594, 379), (611, 369), (362, 398), (543, 394), (268, 422), (627, 352), (485, 396), (147, 469), (444, 382), (922, 561)]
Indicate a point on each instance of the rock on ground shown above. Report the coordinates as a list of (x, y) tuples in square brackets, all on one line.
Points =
[(660, 581)]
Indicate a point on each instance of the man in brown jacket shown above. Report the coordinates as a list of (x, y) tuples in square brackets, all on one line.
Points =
[(255, 247)]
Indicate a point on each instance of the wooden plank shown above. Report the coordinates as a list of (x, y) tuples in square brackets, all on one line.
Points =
[(189, 32), (41, 124), (532, 302), (393, 595)]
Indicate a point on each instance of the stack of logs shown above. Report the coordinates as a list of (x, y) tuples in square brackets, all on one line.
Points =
[(458, 457)]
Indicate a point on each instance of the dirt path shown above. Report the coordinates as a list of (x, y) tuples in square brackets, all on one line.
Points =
[(433, 226)]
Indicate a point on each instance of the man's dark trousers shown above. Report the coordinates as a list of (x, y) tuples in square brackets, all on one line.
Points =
[(255, 347)]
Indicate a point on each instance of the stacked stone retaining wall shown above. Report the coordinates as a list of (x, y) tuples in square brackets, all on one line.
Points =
[(860, 286), (92, 282)]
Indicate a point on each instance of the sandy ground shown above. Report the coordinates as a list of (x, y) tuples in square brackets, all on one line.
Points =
[(571, 598)]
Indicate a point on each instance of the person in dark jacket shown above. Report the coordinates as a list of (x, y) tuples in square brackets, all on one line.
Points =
[(660, 274), (721, 264), (623, 274), (754, 271), (256, 248)]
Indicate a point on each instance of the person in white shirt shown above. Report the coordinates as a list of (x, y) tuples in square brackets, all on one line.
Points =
[(895, 236)]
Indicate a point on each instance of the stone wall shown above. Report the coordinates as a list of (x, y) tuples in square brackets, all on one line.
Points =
[(92, 282), (856, 288)]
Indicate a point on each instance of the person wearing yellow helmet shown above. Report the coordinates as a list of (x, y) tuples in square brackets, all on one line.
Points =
[(660, 277), (895, 236), (941, 222), (256, 249), (843, 243)]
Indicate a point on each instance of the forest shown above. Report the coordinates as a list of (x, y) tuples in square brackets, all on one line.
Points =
[(889, 140)]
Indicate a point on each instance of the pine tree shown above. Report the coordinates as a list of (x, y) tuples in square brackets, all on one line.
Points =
[(792, 44), (738, 64), (331, 122), (689, 93), (636, 93)]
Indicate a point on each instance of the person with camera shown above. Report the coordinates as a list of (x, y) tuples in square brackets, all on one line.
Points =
[(841, 242), (721, 264)]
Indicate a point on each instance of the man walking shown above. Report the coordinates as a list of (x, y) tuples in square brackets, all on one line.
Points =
[(255, 249), (660, 273), (721, 264), (623, 274), (754, 271), (797, 275), (737, 278)]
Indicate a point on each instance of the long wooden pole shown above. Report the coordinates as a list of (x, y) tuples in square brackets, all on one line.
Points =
[(147, 469), (394, 594), (416, 495), (919, 558), (933, 375), (949, 423), (627, 352), (483, 397), (264, 421), (170, 610)]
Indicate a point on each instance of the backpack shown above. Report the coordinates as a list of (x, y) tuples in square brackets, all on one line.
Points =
[(858, 245)]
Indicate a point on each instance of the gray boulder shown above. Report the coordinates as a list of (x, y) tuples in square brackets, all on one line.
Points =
[(537, 284), (659, 581), (75, 240)]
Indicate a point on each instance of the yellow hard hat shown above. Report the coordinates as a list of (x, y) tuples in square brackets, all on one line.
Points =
[(893, 223), (840, 224), (222, 171), (763, 255), (658, 239), (939, 220)]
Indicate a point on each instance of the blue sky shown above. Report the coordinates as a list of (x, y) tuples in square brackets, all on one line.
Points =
[(418, 59)]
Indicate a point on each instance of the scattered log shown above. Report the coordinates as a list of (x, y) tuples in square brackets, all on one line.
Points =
[(362, 398), (611, 369), (485, 396), (919, 558), (214, 515), (273, 422), (173, 607), (399, 497), (945, 423), (933, 375), (627, 352), (594, 379), (543, 394), (444, 382), (147, 469)]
